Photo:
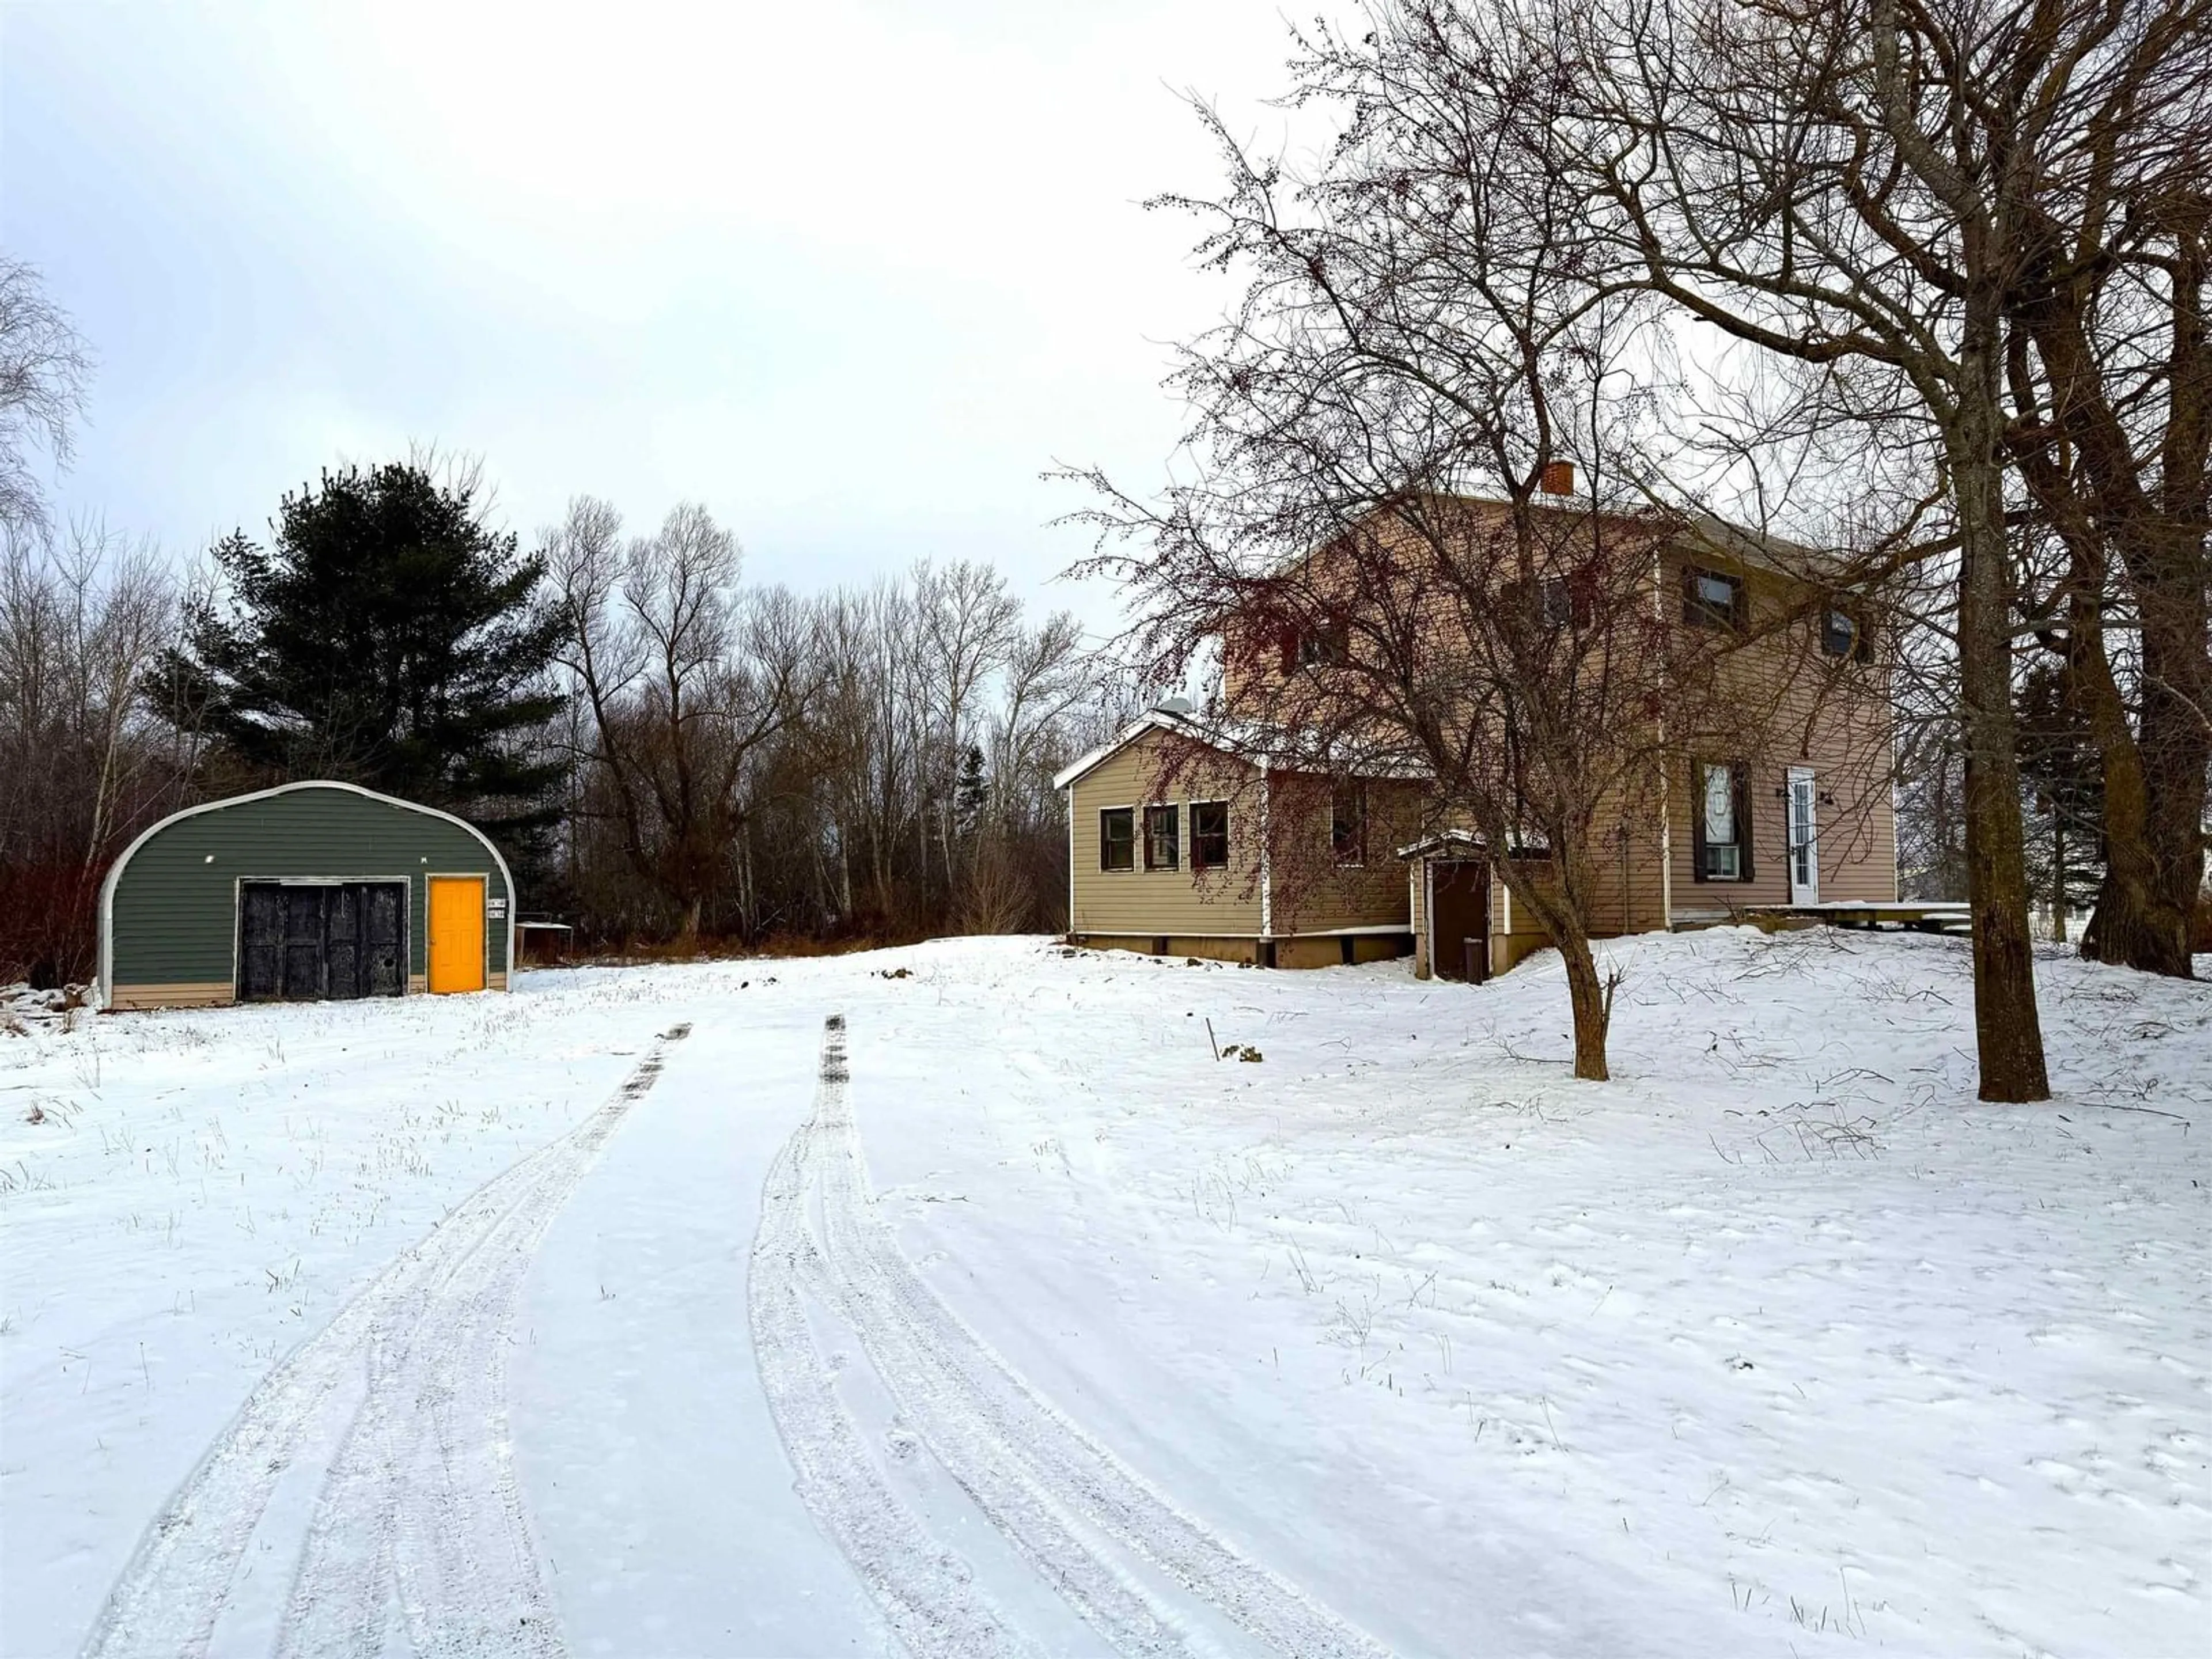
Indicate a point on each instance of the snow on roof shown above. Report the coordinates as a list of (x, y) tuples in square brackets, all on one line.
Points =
[(1260, 743), (1700, 531), (1455, 840)]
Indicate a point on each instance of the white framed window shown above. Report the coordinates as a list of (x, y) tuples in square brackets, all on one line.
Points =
[(1117, 838), (1162, 837), (1209, 834), (1721, 841), (1712, 599), (1347, 824), (1843, 635)]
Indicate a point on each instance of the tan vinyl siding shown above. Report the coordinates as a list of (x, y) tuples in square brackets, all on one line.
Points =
[(1314, 894), (1147, 904), (1817, 712), (1514, 933), (1417, 914), (1629, 890), (1856, 836)]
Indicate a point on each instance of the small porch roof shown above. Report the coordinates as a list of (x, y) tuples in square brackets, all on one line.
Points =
[(1456, 843), (1448, 843)]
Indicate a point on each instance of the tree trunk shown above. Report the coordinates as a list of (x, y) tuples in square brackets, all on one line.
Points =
[(2057, 875), (2174, 599), (2137, 923), (2007, 1031), (2154, 766), (1591, 998), (748, 916), (2177, 750)]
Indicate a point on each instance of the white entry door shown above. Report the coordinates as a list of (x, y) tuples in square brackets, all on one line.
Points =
[(1804, 839)]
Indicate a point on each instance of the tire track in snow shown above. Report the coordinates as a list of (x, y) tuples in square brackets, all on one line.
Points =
[(467, 1556), (926, 1591), (173, 1591), (1038, 1477)]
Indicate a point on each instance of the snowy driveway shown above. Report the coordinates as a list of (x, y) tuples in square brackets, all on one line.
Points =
[(610, 1404), (644, 1313)]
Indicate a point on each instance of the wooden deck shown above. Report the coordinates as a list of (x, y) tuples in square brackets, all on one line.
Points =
[(1942, 917)]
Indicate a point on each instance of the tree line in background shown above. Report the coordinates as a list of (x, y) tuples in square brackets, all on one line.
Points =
[(665, 754)]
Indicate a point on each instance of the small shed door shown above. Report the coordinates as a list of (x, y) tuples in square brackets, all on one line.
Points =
[(304, 942), (1459, 920), (457, 933)]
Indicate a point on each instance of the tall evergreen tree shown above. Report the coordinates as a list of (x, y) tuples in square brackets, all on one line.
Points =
[(971, 795), (388, 637)]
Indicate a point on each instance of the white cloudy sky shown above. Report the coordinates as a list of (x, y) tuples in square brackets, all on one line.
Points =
[(851, 274)]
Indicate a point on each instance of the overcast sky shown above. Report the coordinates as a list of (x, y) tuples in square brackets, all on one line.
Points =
[(851, 274)]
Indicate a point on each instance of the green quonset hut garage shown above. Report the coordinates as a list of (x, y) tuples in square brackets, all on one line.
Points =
[(302, 893)]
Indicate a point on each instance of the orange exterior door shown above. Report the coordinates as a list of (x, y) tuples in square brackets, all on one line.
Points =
[(457, 933)]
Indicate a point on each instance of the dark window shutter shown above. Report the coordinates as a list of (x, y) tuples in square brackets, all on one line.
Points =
[(1740, 780), (1290, 644), (1691, 610), (1697, 820), (1582, 593)]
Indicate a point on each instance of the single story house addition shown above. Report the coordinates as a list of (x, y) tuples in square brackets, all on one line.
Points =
[(1192, 838)]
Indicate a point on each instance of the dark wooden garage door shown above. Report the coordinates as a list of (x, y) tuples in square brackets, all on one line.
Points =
[(302, 943)]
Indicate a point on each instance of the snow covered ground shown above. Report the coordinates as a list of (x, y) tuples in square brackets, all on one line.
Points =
[(649, 1312)]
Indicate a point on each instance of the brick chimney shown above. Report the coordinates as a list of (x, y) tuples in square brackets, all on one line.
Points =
[(1558, 478)]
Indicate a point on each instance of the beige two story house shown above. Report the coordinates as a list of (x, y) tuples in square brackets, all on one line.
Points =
[(1218, 835)]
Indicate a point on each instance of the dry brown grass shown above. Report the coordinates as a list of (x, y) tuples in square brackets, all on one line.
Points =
[(729, 948)]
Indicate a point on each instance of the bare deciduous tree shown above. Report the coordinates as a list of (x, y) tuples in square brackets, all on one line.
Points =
[(2109, 371), (1427, 313), (688, 677), (1848, 183), (84, 620), (755, 762), (44, 367)]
